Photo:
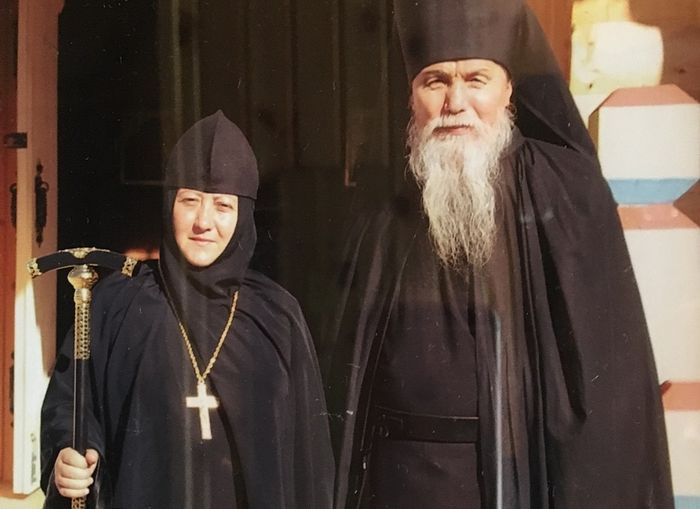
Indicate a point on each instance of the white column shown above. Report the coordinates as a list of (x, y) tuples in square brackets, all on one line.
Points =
[(35, 309)]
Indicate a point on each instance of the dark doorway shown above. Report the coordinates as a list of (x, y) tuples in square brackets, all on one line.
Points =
[(317, 86)]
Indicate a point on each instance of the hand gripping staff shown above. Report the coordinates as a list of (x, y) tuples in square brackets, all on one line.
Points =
[(82, 277)]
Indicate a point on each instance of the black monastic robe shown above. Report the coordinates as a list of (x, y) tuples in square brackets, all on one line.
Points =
[(568, 399), (270, 441)]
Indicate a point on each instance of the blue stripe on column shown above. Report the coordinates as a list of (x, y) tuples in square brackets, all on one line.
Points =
[(686, 502), (649, 191)]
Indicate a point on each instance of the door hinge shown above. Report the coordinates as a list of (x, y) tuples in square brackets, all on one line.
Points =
[(15, 140)]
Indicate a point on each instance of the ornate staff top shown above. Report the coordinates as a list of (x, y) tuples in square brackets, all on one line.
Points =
[(82, 256)]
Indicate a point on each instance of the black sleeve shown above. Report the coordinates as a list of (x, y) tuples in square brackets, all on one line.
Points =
[(57, 413), (57, 408), (57, 426)]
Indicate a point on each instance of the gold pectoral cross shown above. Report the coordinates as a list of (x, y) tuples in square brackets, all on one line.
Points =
[(204, 402)]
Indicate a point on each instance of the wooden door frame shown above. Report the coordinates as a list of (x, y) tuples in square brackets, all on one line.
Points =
[(31, 336), (8, 178)]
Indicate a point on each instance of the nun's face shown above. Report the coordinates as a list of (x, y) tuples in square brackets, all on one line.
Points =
[(464, 91), (203, 224)]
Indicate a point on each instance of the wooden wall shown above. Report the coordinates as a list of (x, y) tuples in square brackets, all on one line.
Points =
[(555, 18)]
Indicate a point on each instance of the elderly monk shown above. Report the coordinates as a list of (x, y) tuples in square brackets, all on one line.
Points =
[(491, 349), (205, 388)]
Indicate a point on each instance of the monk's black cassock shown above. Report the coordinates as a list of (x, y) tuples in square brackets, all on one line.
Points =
[(547, 344), (270, 445)]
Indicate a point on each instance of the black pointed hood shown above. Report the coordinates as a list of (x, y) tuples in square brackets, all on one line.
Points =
[(214, 156)]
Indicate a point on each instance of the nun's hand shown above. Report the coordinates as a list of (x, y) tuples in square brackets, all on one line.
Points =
[(73, 472)]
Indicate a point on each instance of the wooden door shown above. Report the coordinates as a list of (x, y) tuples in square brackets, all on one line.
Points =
[(8, 181)]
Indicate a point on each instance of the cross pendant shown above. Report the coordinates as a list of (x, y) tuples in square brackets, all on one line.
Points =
[(204, 402)]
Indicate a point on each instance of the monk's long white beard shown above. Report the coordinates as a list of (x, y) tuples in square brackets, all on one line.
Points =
[(457, 174)]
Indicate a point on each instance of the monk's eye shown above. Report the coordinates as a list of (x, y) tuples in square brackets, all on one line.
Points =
[(434, 83), (479, 79)]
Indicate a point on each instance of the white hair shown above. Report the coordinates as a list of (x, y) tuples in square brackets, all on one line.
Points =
[(457, 174)]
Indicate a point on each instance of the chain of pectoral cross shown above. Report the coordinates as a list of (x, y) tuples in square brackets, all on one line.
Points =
[(203, 401)]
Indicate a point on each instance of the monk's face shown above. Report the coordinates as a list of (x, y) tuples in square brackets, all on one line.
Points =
[(203, 224), (464, 91)]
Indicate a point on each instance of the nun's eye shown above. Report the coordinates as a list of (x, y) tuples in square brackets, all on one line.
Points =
[(224, 206)]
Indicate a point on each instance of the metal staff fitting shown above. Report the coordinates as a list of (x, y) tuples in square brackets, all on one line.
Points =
[(82, 277)]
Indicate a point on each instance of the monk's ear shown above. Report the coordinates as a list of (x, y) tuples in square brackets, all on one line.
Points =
[(509, 91)]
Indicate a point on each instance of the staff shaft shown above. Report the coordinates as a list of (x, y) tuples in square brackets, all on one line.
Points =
[(82, 278)]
